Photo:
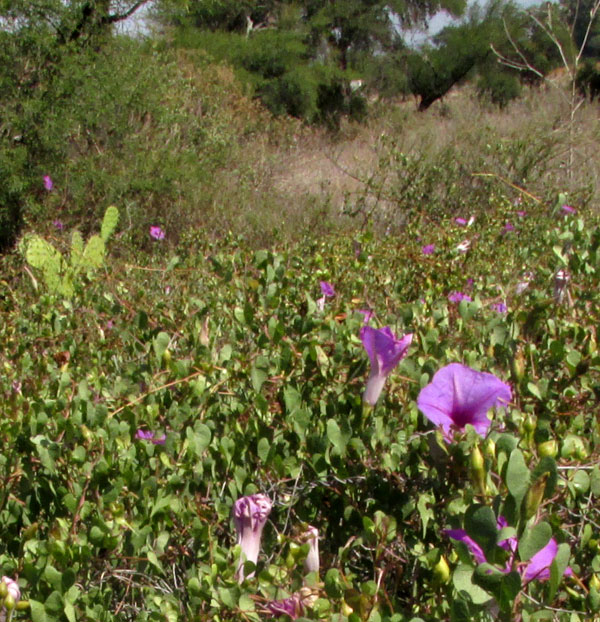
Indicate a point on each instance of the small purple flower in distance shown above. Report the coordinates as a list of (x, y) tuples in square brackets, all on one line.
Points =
[(147, 435), (461, 221), (157, 233), (521, 213), (458, 296), (48, 183), (499, 307), (367, 314), (250, 514), (508, 227), (58, 225), (459, 395), (428, 249), (385, 352), (567, 209), (327, 289)]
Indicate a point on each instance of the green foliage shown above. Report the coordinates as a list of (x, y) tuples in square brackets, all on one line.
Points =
[(61, 277)]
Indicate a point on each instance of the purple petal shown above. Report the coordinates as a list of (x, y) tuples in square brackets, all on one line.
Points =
[(327, 289), (539, 565), (428, 249), (58, 225), (157, 233), (458, 395), (144, 435), (367, 313), (48, 183), (499, 307), (567, 209), (460, 221), (461, 536), (458, 296), (384, 349)]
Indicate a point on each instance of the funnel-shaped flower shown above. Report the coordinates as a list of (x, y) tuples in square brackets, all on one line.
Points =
[(250, 515), (311, 563), (147, 435), (157, 233), (538, 567), (458, 395), (385, 352), (328, 292), (291, 606)]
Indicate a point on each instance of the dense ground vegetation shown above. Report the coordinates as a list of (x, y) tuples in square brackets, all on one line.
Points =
[(192, 298)]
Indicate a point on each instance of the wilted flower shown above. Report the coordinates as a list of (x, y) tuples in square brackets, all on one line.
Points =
[(464, 246), (567, 209), (561, 280), (459, 395), (385, 352), (428, 249), (48, 183), (147, 435), (311, 563), (157, 233), (291, 606), (538, 567), (458, 296), (250, 515), (500, 307), (58, 225)]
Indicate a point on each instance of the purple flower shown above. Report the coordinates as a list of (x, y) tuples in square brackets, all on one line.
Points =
[(458, 296), (461, 221), (385, 352), (58, 225), (48, 183), (250, 515), (500, 307), (13, 589), (428, 249), (458, 395), (147, 435), (291, 606), (567, 209), (508, 227), (538, 567), (521, 213), (327, 289), (367, 313), (157, 233)]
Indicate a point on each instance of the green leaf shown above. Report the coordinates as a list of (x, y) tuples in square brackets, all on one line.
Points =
[(40, 253), (109, 222), (581, 482), (481, 525), (38, 612), (76, 249), (160, 344), (534, 390), (335, 436), (517, 476), (463, 582), (263, 449), (93, 253), (557, 568), (534, 540), (258, 377), (595, 481)]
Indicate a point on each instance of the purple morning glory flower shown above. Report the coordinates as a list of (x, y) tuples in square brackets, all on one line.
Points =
[(458, 296), (460, 221), (458, 395), (499, 307), (508, 227), (48, 183), (250, 515), (567, 209), (157, 233), (147, 435), (58, 224), (428, 249), (538, 567), (327, 289), (385, 352)]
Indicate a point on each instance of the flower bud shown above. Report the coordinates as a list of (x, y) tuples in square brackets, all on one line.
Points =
[(548, 449), (535, 494), (22, 605), (489, 449), (478, 474), (518, 365), (9, 602), (441, 571), (595, 582)]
